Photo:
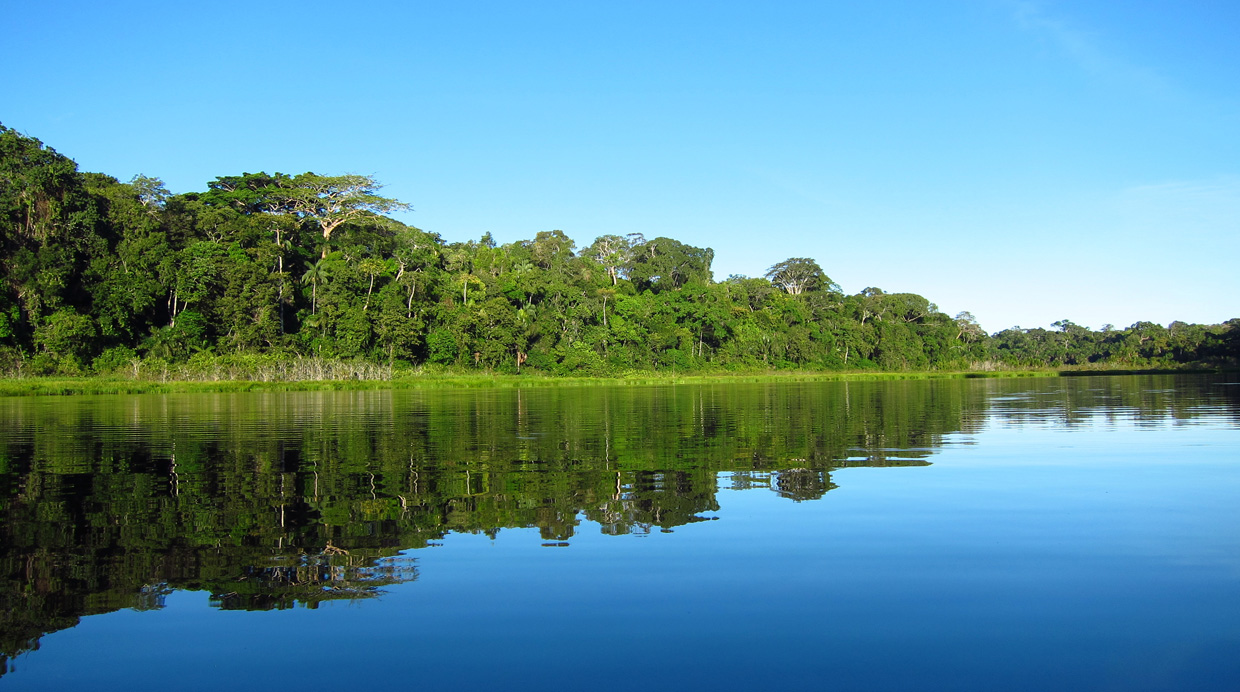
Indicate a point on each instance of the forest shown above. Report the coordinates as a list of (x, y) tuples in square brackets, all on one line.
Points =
[(308, 275)]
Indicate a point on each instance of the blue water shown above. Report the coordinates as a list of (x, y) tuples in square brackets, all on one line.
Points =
[(1035, 553)]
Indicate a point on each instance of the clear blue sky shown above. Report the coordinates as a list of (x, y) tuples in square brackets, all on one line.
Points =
[(1027, 161)]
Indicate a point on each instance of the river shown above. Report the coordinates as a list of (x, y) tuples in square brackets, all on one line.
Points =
[(1015, 534)]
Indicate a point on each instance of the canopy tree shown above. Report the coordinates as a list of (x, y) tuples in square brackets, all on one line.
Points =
[(797, 275), (327, 201), (331, 201), (665, 263), (615, 253)]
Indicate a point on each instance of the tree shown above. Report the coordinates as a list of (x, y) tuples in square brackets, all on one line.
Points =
[(967, 328), (416, 251), (551, 248), (1068, 326), (665, 263), (1227, 340), (458, 260), (332, 201), (605, 293), (614, 252), (372, 267), (202, 266), (54, 241), (797, 275), (151, 191), (870, 303), (66, 336), (909, 307), (316, 273)]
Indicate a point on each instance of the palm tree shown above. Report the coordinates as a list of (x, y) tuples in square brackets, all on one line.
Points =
[(316, 273)]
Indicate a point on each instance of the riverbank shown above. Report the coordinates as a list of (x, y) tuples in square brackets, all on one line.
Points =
[(62, 386)]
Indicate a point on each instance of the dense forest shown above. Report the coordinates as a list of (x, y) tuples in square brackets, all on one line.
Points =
[(265, 272)]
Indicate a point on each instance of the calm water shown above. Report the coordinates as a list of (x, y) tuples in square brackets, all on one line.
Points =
[(1075, 533)]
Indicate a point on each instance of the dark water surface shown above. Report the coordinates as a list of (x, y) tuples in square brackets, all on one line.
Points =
[(1072, 533)]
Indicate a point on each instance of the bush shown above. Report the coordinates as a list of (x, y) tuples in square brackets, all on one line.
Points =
[(12, 362), (580, 359), (66, 336), (114, 360)]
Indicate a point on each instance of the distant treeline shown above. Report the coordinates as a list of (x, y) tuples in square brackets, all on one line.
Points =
[(100, 276)]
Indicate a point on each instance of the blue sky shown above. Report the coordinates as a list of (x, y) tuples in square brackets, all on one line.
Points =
[(1026, 161)]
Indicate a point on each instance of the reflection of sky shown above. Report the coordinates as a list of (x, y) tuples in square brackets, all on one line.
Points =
[(1038, 558)]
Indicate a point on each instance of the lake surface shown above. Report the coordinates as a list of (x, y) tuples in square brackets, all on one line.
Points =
[(1032, 534)]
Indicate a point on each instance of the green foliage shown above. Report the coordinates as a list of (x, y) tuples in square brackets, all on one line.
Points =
[(118, 359), (64, 339), (663, 264), (798, 275), (309, 266), (443, 346)]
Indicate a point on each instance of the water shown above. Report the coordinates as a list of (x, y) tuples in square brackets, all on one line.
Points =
[(1074, 533)]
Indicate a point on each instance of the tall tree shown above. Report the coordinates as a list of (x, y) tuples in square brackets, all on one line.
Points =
[(326, 201), (664, 263), (316, 273), (614, 252), (797, 275), (332, 201)]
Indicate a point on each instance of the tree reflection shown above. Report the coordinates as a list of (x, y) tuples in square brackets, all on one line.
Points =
[(271, 501)]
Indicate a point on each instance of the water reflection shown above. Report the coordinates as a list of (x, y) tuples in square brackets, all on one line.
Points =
[(268, 501)]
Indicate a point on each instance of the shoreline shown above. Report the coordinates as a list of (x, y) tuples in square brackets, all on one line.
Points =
[(62, 386)]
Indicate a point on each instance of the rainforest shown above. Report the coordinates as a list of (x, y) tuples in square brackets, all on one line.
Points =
[(307, 276)]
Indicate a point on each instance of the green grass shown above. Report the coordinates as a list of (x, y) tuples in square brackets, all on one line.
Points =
[(51, 386), (270, 374)]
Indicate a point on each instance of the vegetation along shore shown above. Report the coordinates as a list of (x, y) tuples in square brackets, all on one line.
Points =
[(274, 278)]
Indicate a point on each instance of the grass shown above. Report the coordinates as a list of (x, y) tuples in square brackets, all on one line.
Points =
[(52, 386)]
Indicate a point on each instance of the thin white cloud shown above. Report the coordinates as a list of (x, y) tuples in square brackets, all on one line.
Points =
[(1203, 208), (1085, 48)]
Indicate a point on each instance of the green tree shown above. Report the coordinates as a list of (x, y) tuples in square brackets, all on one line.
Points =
[(797, 275), (332, 201), (317, 272), (67, 338), (664, 263), (614, 253), (151, 191), (372, 268)]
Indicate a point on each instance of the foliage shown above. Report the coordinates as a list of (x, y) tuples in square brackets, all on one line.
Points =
[(797, 275), (95, 273)]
